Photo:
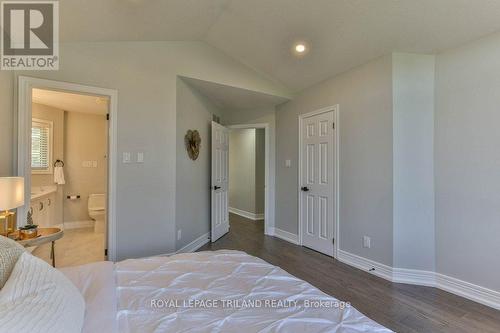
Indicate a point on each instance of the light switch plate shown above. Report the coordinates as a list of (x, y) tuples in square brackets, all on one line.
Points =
[(288, 163), (367, 242), (126, 157)]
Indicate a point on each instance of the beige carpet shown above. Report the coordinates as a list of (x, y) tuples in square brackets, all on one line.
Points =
[(77, 247)]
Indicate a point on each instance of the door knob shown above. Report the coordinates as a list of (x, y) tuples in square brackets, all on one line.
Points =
[(216, 187), (305, 189)]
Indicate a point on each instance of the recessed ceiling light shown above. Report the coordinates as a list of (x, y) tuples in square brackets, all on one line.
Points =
[(300, 48)]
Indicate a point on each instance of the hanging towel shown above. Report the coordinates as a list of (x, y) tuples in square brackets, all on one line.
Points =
[(59, 175)]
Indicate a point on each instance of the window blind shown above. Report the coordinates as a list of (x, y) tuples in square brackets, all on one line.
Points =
[(40, 140)]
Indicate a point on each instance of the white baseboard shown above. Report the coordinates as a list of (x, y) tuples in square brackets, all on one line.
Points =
[(364, 264), (468, 290), (424, 278), (414, 276), (189, 248), (270, 231), (248, 215), (196, 244), (285, 235), (76, 224)]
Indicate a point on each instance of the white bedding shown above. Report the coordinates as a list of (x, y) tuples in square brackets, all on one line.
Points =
[(173, 283), (96, 282)]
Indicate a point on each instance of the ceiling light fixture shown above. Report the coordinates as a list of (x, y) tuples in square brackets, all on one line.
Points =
[(300, 48)]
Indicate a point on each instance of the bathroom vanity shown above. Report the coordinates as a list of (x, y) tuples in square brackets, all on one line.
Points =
[(42, 205)]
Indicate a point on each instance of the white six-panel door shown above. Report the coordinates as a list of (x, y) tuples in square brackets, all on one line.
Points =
[(220, 181), (317, 183)]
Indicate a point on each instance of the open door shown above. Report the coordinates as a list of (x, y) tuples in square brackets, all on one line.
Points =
[(220, 181)]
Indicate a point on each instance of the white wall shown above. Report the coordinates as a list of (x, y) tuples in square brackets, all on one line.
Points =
[(364, 95), (194, 112), (145, 75), (242, 170), (413, 121), (260, 170), (7, 121), (467, 161), (85, 139)]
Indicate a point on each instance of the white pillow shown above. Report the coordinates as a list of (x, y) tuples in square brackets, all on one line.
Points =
[(10, 251), (39, 298)]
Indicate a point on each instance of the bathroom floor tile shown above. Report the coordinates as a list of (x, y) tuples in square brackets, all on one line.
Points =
[(77, 247)]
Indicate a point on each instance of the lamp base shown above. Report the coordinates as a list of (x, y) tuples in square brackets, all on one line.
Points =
[(8, 223)]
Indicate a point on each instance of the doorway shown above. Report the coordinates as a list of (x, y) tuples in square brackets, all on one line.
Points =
[(318, 180), (246, 173), (265, 177), (67, 149), (268, 178)]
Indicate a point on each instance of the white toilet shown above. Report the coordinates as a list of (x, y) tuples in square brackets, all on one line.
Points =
[(97, 211)]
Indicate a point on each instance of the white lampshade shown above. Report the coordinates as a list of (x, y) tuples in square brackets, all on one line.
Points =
[(11, 192)]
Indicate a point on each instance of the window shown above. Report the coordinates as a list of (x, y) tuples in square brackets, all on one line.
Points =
[(41, 146)]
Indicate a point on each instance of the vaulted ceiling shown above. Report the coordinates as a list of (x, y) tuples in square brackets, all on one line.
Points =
[(228, 98), (260, 33)]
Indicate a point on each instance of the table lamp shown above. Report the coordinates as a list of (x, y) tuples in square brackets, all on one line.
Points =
[(11, 196)]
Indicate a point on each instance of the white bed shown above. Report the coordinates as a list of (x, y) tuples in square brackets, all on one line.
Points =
[(158, 294)]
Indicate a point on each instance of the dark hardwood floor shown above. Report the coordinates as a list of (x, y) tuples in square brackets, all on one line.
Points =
[(400, 307)]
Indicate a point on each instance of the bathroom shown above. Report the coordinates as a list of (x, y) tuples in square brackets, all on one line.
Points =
[(69, 171)]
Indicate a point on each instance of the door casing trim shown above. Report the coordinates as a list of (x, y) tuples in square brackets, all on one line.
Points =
[(25, 86)]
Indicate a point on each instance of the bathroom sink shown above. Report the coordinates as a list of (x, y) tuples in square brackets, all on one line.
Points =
[(40, 191)]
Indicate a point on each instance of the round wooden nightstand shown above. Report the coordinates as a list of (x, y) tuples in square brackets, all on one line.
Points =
[(45, 235)]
